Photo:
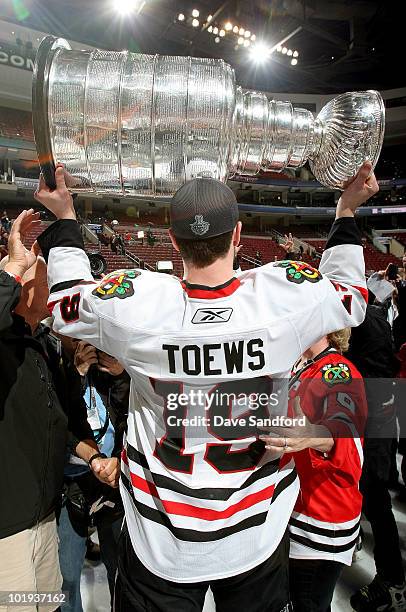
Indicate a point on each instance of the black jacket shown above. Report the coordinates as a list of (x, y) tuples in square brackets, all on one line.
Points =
[(33, 426), (114, 391), (372, 351), (371, 346), (399, 324)]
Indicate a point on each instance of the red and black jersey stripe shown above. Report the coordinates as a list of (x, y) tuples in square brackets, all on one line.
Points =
[(327, 548), (192, 535), (220, 494), (210, 293)]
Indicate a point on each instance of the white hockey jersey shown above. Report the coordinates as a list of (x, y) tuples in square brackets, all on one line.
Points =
[(204, 500)]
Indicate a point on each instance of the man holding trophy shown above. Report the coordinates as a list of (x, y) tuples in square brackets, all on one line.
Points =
[(203, 511), (206, 505)]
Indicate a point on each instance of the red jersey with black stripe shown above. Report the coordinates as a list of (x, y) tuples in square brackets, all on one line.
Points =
[(325, 520)]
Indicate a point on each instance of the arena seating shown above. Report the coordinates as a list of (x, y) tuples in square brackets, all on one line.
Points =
[(304, 231), (269, 249), (401, 237), (32, 234), (317, 244), (374, 259), (114, 261), (158, 252), (16, 124)]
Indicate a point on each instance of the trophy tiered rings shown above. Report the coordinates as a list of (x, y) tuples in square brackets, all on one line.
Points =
[(129, 124)]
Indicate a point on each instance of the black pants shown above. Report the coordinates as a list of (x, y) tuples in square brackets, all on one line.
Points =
[(377, 507), (312, 583), (262, 589), (109, 534)]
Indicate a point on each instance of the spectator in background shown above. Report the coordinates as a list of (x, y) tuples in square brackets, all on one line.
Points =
[(373, 353), (103, 239), (103, 387), (5, 222), (150, 237), (3, 243), (113, 243), (258, 257), (120, 244), (34, 435), (33, 426), (399, 324), (288, 247), (399, 332)]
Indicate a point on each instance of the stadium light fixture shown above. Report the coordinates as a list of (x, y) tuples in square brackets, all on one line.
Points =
[(259, 52), (210, 29), (228, 27), (209, 18), (247, 33), (246, 43), (195, 13), (240, 41), (279, 49), (127, 7), (241, 32), (295, 54), (290, 52), (293, 61), (253, 37), (215, 31), (284, 50), (217, 39), (222, 33), (195, 23), (181, 17), (236, 29)]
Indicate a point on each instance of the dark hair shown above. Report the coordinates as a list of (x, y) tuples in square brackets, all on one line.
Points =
[(202, 253)]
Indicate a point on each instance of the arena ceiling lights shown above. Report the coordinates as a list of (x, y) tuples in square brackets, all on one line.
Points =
[(219, 30), (259, 51)]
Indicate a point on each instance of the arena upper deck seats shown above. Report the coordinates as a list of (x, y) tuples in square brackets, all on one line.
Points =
[(16, 124)]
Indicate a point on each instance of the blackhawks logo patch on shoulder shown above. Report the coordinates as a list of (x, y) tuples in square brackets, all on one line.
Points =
[(336, 373), (117, 285), (299, 271)]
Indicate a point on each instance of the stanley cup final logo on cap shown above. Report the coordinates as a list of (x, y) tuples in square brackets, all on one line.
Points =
[(199, 227)]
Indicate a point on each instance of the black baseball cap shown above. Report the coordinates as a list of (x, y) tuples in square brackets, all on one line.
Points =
[(203, 208)]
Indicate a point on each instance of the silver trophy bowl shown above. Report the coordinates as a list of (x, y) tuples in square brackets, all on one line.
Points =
[(129, 124)]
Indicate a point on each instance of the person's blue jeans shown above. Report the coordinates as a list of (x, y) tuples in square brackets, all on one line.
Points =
[(72, 550)]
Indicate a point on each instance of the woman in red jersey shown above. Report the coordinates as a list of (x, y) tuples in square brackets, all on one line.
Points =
[(329, 391)]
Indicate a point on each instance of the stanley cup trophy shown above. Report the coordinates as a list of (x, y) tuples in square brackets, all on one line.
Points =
[(129, 124)]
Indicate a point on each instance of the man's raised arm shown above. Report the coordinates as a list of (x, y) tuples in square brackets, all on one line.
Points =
[(343, 258), (69, 276), (340, 298)]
